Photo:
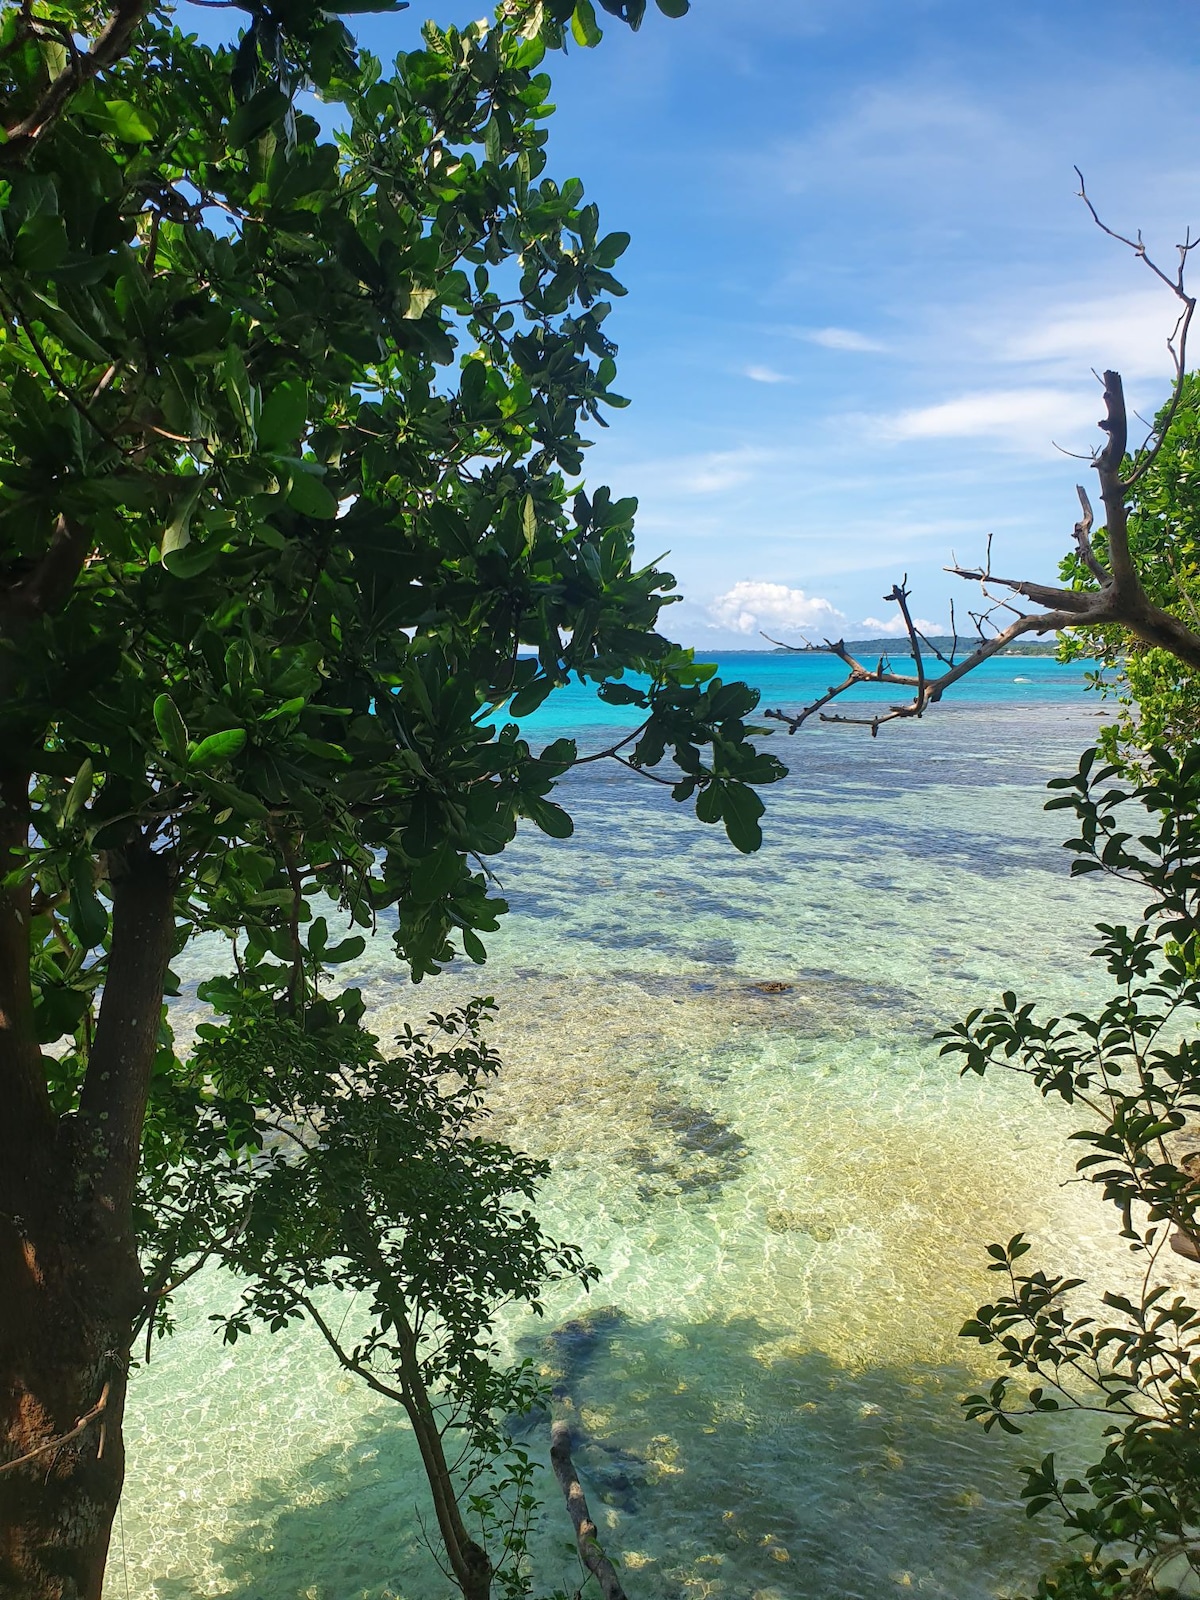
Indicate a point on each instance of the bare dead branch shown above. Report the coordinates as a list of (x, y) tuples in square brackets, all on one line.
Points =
[(1118, 599), (796, 649), (1176, 343), (1083, 536)]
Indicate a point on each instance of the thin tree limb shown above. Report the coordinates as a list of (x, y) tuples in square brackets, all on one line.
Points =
[(63, 1438)]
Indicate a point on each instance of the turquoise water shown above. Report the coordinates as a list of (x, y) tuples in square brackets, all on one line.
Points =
[(788, 1193), (791, 681)]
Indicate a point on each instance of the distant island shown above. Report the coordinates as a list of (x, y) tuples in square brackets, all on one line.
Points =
[(897, 647)]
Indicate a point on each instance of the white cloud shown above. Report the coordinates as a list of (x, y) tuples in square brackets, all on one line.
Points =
[(842, 339), (1126, 331), (872, 627), (750, 607), (1029, 419), (765, 375)]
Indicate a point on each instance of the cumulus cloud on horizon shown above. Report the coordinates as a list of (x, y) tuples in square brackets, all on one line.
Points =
[(893, 627), (753, 607)]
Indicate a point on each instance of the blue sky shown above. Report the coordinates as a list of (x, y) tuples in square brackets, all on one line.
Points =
[(864, 302)]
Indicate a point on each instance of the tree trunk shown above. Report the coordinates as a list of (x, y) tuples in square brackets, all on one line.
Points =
[(64, 1361), (70, 1284), (469, 1561)]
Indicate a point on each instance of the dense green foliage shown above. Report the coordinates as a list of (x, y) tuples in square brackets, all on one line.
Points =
[(1133, 1068), (315, 404)]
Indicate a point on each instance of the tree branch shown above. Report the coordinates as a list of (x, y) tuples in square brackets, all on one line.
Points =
[(1118, 600), (63, 1438), (112, 1102), (47, 587), (111, 44)]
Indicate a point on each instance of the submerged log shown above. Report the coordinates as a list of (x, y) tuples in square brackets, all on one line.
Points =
[(590, 1551)]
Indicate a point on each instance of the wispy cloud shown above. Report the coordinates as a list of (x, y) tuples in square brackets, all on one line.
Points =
[(750, 607), (1127, 331), (765, 375), (842, 339), (1031, 420), (882, 134)]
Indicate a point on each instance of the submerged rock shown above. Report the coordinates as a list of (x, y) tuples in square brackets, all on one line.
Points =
[(707, 1152), (568, 1349), (781, 1219)]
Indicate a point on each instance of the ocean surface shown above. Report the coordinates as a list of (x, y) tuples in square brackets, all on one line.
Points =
[(728, 1061)]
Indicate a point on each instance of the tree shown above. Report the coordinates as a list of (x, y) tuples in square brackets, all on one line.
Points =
[(1133, 1069), (1159, 693), (311, 1164), (289, 426)]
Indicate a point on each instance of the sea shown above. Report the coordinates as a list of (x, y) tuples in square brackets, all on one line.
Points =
[(729, 1063)]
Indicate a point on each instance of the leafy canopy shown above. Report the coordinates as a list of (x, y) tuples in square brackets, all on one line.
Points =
[(297, 361), (291, 428)]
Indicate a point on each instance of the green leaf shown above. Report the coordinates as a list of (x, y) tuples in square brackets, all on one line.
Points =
[(177, 534), (311, 498), (242, 396), (171, 727), (217, 747), (674, 8), (192, 559), (237, 800), (531, 697), (346, 950), (284, 413), (741, 809), (474, 947), (121, 119), (435, 875), (79, 793), (86, 915), (529, 523), (584, 28), (622, 694), (551, 819), (609, 251), (41, 243), (249, 122), (561, 753)]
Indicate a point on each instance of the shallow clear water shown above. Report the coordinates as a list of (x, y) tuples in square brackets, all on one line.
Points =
[(788, 1193)]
